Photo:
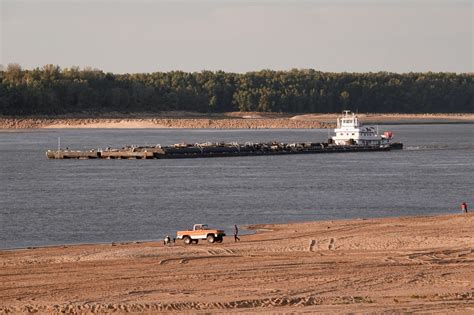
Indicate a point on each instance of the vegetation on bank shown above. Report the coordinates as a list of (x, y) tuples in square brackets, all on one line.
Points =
[(53, 91)]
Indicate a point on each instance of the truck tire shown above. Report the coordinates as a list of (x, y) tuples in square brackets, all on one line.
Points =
[(211, 239), (187, 240)]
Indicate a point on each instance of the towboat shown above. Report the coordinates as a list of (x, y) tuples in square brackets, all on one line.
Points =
[(350, 131)]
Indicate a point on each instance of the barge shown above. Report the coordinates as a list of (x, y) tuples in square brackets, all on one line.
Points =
[(350, 136)]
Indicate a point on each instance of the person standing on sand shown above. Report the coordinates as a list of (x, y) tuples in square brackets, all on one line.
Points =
[(236, 233), (464, 207)]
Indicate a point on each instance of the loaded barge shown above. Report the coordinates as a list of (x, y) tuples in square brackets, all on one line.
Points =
[(350, 136)]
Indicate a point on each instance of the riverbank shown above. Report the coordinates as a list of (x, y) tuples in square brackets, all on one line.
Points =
[(234, 120), (397, 265)]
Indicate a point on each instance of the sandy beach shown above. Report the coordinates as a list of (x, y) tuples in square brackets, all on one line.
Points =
[(410, 264), (232, 120)]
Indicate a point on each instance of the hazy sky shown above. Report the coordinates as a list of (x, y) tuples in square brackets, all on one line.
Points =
[(239, 36)]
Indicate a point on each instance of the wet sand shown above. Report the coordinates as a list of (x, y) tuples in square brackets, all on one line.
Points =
[(234, 120), (412, 264)]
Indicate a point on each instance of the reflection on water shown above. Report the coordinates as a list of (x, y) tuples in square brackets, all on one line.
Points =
[(46, 202)]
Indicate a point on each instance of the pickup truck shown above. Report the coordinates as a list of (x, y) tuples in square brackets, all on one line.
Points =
[(200, 232)]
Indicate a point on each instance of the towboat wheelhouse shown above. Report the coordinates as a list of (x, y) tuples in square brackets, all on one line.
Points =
[(350, 131)]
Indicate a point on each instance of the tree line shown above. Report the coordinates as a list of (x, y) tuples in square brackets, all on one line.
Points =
[(51, 90)]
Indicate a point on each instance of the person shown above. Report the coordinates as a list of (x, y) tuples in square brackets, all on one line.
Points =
[(167, 240), (236, 233), (464, 207)]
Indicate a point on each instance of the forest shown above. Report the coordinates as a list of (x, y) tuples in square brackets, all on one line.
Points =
[(50, 90)]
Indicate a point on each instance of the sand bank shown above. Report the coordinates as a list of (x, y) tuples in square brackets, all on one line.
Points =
[(415, 264), (222, 121)]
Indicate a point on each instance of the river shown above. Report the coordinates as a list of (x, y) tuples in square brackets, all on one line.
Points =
[(48, 202)]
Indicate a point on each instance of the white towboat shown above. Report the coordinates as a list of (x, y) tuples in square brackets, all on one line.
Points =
[(350, 131)]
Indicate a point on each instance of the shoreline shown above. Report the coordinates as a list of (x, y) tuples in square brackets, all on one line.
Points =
[(249, 229), (395, 264), (113, 243), (222, 121)]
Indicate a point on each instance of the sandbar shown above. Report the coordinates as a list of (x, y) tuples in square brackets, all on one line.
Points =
[(231, 120), (407, 264)]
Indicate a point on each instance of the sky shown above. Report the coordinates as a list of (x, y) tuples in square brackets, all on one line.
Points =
[(240, 36)]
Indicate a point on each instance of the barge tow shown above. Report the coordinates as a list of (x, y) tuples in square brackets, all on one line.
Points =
[(350, 136)]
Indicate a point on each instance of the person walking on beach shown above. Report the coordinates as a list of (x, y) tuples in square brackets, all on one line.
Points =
[(236, 233), (464, 207)]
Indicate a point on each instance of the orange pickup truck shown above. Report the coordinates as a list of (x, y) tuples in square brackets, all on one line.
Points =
[(200, 232)]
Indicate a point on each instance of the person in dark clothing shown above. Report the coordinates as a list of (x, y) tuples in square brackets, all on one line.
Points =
[(236, 233), (464, 207)]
